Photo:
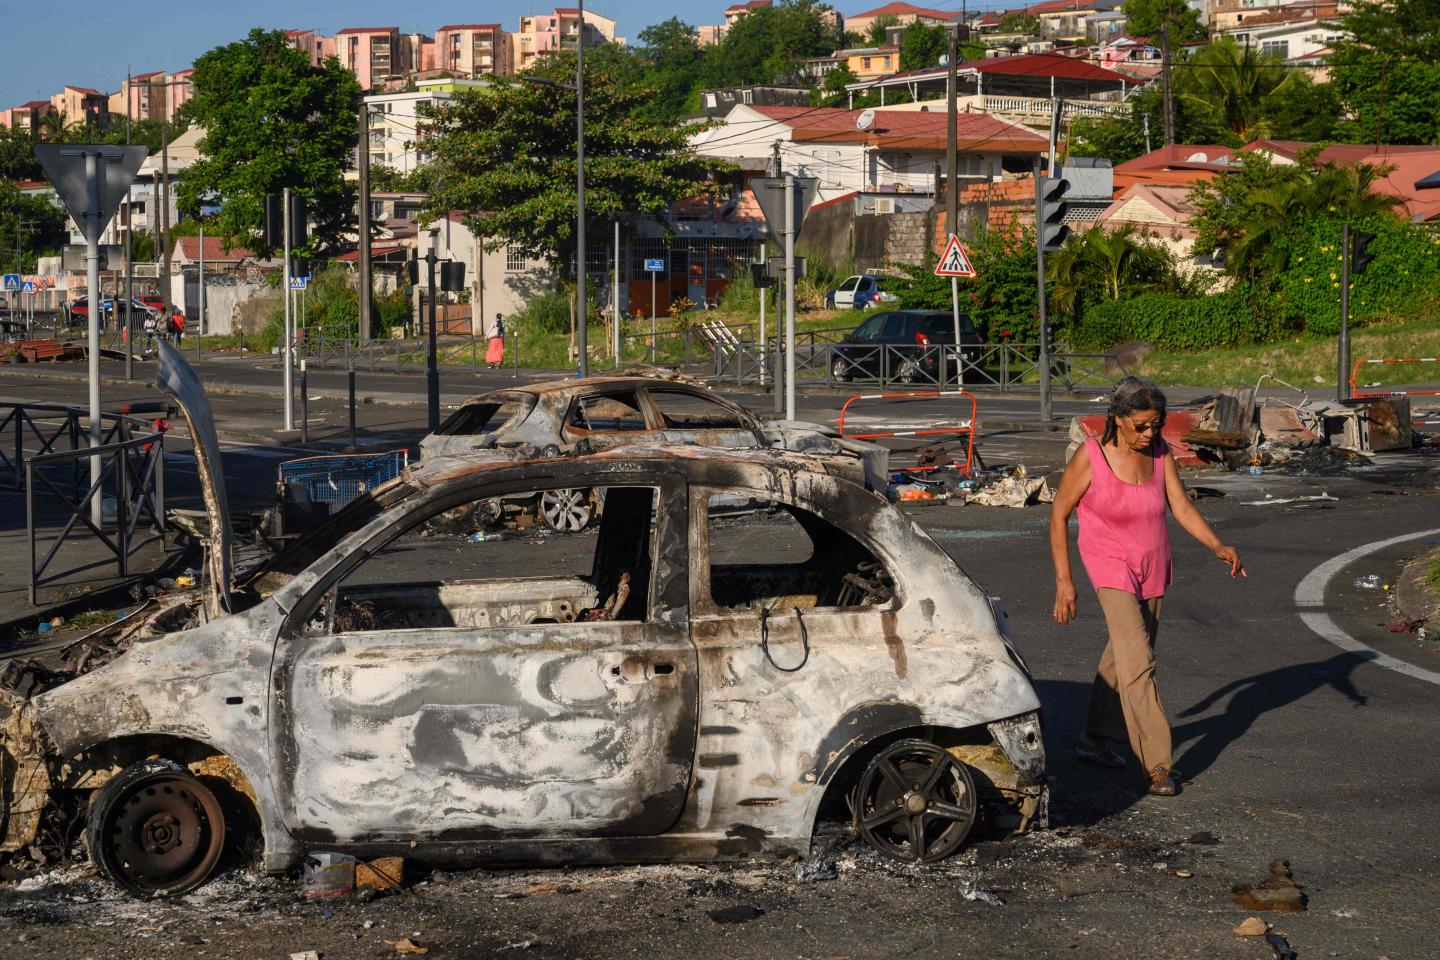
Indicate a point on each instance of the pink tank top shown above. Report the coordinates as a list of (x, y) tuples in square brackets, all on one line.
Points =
[(1124, 539)]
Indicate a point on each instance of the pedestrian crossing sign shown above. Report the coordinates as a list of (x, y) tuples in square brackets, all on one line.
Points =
[(12, 281), (954, 262)]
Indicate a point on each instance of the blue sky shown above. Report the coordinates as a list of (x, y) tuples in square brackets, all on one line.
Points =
[(90, 42)]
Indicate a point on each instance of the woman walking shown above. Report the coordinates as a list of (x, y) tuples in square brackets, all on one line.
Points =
[(1121, 485), (495, 334)]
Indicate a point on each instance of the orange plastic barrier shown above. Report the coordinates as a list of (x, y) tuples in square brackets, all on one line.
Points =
[(967, 428)]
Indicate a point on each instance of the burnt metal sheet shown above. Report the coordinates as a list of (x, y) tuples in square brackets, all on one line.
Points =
[(178, 380)]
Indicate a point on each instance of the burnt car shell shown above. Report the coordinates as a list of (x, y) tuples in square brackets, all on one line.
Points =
[(750, 751)]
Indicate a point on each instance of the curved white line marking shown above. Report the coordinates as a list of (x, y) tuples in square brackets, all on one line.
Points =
[(1311, 593)]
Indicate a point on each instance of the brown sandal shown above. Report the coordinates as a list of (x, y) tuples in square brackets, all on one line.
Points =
[(1162, 783)]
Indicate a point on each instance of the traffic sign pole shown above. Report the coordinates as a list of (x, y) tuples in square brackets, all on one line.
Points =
[(790, 297), (289, 319)]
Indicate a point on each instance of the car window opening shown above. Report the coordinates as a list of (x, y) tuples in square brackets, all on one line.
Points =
[(686, 411), (784, 557), (457, 569), (607, 414), (487, 416)]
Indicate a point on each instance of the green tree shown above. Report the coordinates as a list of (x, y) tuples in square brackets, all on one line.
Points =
[(1301, 109), (1001, 300), (769, 43), (1101, 264), (922, 46), (876, 35), (1248, 212), (832, 91), (671, 61), (507, 156), (42, 234), (272, 121), (1123, 138), (1234, 81), (1387, 72), (1019, 22), (17, 155), (1148, 18), (386, 179)]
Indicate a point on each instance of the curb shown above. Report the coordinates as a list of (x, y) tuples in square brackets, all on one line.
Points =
[(1414, 598)]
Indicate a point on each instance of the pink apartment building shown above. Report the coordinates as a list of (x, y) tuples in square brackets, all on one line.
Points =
[(559, 30), (473, 49), (373, 54)]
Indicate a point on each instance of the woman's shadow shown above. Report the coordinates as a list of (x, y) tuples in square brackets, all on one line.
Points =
[(1086, 795), (1252, 697)]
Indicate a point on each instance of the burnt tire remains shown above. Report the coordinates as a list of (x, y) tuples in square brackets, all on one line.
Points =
[(915, 802), (155, 830)]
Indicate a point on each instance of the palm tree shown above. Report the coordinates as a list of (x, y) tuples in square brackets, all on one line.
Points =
[(1102, 264), (52, 129), (1233, 80)]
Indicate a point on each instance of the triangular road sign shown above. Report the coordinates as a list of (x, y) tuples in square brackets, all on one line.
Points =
[(954, 262), (770, 194), (65, 163)]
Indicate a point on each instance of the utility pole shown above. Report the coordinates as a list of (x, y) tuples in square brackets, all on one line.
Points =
[(581, 302), (1168, 103), (432, 369), (285, 359), (200, 311), (164, 239), (615, 298), (952, 195), (362, 163), (790, 296), (1341, 375), (129, 337)]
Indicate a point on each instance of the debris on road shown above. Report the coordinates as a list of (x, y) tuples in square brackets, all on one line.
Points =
[(407, 946), (1279, 891), (1370, 581), (1281, 946), (973, 892), (1270, 501), (736, 913), (1016, 490), (1251, 927), (383, 874)]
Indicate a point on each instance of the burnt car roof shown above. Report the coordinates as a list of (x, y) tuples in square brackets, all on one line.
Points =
[(552, 387)]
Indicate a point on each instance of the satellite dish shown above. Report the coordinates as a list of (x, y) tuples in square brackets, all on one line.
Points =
[(944, 59), (1197, 158), (866, 120)]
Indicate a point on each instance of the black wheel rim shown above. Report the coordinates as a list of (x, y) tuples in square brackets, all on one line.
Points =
[(915, 803), (164, 835)]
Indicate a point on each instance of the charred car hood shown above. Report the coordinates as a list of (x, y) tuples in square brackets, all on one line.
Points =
[(178, 381)]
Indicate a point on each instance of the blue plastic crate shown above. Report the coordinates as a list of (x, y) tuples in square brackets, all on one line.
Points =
[(338, 479)]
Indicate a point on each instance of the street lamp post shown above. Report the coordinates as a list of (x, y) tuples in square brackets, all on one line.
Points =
[(581, 301)]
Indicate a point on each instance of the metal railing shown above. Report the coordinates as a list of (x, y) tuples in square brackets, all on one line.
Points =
[(319, 350), (132, 514)]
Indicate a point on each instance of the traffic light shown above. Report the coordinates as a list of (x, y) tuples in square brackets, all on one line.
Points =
[(274, 228), (1051, 207), (412, 271), (1359, 257), (299, 224), (452, 275)]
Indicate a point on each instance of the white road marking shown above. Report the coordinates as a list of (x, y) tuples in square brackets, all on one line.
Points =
[(1310, 592)]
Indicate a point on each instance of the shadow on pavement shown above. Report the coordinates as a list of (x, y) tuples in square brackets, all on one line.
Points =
[(1252, 697)]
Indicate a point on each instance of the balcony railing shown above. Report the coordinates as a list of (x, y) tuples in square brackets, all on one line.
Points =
[(1040, 106)]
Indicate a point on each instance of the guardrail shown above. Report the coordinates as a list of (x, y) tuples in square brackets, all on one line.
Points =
[(319, 350), (132, 515)]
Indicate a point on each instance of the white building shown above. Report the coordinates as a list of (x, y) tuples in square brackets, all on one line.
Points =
[(887, 151), (1294, 31), (394, 121)]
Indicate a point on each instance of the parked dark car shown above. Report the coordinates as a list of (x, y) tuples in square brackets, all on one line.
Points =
[(904, 345)]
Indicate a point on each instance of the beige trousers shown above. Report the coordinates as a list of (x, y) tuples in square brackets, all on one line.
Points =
[(1124, 700)]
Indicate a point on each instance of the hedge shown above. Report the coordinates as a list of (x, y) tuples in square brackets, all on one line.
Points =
[(1182, 323)]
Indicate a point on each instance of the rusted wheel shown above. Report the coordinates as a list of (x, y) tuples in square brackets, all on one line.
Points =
[(156, 830), (566, 511), (915, 802)]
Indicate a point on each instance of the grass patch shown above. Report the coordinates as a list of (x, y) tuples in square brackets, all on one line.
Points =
[(1432, 575), (1305, 362)]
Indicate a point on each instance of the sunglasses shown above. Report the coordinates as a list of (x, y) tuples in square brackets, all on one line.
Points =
[(1154, 426)]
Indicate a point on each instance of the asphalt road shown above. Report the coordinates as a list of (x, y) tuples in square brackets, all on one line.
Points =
[(1290, 747)]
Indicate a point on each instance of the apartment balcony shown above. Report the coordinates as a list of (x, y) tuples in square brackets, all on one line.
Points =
[(1035, 111)]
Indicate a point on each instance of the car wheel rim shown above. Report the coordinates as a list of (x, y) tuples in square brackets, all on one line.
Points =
[(838, 370), (915, 803), (565, 511), (164, 835)]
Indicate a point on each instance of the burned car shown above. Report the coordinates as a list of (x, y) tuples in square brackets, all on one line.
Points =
[(600, 413), (677, 687)]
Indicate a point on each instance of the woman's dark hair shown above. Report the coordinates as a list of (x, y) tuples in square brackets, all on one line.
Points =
[(1131, 395)]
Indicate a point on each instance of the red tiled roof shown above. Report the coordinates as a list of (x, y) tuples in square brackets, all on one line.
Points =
[(183, 73), (368, 30), (753, 4), (900, 8), (1411, 166), (1337, 153), (146, 76), (1058, 6), (376, 249), (1180, 156), (906, 128), (1028, 65), (468, 26), (32, 104), (85, 90), (215, 251), (32, 185)]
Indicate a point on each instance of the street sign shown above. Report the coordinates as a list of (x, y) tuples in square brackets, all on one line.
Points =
[(28, 287), (954, 262), (776, 266), (65, 164), (12, 281), (72, 256), (654, 266), (770, 193), (299, 283)]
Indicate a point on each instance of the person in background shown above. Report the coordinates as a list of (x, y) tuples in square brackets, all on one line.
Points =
[(495, 335), (149, 325), (1121, 485), (177, 327)]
